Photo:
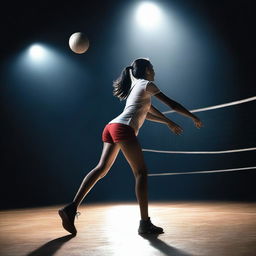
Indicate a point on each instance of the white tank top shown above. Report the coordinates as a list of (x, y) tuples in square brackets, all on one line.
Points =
[(137, 104)]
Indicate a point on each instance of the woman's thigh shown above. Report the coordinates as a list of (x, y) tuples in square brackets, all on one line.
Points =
[(108, 155)]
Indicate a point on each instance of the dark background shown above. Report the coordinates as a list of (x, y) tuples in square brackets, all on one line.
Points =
[(49, 145)]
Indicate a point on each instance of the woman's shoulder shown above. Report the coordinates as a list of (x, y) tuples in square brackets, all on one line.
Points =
[(147, 83)]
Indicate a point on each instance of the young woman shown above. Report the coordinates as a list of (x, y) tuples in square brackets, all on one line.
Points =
[(135, 84)]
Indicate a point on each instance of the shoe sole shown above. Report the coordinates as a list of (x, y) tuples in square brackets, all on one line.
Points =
[(66, 223), (150, 232)]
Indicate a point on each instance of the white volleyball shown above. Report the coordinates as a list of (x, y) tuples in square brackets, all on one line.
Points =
[(78, 42)]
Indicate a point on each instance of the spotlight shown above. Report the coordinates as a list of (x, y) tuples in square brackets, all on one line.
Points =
[(36, 51), (148, 15)]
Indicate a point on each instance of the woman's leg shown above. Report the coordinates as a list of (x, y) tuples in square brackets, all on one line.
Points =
[(108, 156), (133, 153), (68, 213)]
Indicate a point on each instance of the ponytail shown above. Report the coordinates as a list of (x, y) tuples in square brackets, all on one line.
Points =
[(122, 84)]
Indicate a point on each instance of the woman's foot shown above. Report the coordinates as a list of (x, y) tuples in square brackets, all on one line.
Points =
[(146, 227), (67, 215)]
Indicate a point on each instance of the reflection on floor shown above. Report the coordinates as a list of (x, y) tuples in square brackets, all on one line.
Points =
[(191, 228)]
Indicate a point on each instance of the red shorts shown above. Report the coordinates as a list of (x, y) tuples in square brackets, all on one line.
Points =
[(116, 132)]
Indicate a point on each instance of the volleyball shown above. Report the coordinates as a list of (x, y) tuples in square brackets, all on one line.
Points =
[(78, 42)]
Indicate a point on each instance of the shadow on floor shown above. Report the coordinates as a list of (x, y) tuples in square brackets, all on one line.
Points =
[(51, 247), (163, 247)]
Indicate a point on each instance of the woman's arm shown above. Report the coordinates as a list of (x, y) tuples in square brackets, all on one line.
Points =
[(178, 108), (156, 116), (155, 113)]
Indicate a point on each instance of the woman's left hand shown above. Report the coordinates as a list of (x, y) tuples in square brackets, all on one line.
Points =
[(175, 128)]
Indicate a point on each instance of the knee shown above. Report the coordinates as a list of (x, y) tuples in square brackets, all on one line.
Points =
[(101, 170), (141, 174), (103, 174)]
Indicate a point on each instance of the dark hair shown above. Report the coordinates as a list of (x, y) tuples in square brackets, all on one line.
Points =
[(122, 84)]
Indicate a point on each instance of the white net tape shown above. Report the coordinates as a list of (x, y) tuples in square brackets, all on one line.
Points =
[(202, 172), (200, 152), (218, 106)]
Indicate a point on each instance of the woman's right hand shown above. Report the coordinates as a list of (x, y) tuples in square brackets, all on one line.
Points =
[(175, 128), (197, 122)]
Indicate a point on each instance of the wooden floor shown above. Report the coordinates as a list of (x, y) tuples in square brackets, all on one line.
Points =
[(202, 228)]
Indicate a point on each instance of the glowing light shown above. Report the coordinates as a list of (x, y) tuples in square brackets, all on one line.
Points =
[(148, 15), (122, 231), (37, 52)]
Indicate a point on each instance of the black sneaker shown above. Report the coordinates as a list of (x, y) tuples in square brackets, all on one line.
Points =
[(146, 227), (68, 214)]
